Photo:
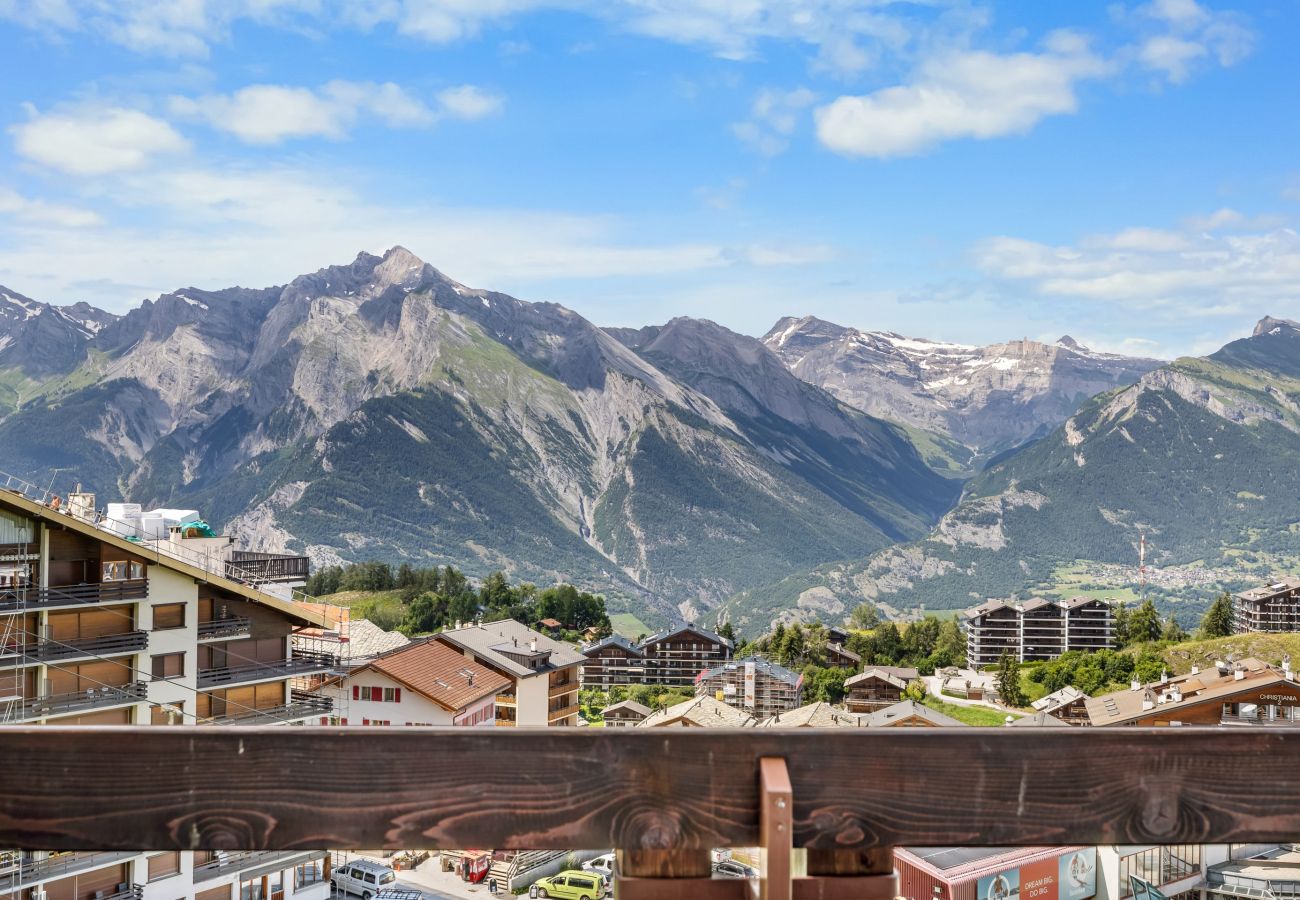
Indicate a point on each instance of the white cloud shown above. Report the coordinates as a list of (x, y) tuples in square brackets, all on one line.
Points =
[(973, 94), (1201, 274), (41, 212), (773, 117), (469, 102), (1182, 34), (95, 141), (270, 113)]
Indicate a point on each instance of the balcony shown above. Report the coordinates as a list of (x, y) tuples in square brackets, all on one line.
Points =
[(226, 628), (224, 863), (30, 599), (89, 648), (258, 568), (104, 697), (301, 705), (506, 700), (303, 662), (58, 866)]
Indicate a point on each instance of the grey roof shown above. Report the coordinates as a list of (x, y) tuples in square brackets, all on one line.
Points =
[(366, 640), (631, 706), (895, 675), (614, 640), (487, 640), (704, 711), (1039, 719), (905, 709), (687, 626), (1055, 700), (764, 666), (814, 715)]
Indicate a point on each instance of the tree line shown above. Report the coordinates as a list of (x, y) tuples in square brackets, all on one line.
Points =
[(424, 600)]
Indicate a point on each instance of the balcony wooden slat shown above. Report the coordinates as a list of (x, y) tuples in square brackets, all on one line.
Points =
[(268, 788)]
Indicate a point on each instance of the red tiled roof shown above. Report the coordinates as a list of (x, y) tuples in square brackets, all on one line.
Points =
[(439, 672)]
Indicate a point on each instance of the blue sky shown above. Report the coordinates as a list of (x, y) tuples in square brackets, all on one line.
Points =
[(975, 172)]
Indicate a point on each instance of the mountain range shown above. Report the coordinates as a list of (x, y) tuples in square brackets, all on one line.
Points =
[(380, 409)]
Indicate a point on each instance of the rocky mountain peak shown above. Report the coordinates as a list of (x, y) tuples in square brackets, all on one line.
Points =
[(1269, 325), (1069, 343)]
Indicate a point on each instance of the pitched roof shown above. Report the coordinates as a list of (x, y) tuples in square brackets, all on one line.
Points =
[(763, 666), (704, 712), (492, 640), (907, 709), (813, 715), (631, 706), (1204, 686), (1057, 699), (691, 627), (1039, 719), (898, 676), (614, 640), (551, 623), (838, 648), (439, 672)]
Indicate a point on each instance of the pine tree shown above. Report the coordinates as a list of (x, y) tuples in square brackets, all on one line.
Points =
[(1217, 621), (1009, 681)]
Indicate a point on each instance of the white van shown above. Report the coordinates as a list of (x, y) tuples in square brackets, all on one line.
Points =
[(363, 878)]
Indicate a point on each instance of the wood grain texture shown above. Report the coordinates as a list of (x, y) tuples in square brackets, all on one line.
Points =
[(289, 788)]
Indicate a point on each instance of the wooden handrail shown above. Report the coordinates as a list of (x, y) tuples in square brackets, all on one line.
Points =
[(261, 788)]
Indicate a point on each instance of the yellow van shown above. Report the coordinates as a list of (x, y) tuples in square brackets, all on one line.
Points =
[(569, 885)]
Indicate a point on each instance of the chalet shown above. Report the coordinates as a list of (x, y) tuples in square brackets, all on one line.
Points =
[(699, 712), (1037, 629), (840, 657), (422, 683), (1037, 720), (813, 715), (1069, 704), (627, 714), (552, 627), (543, 672), (103, 625), (1247, 692), (754, 684), (909, 714), (671, 657), (877, 687), (1272, 608)]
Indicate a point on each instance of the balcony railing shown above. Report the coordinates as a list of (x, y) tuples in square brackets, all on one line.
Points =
[(664, 798), (246, 565), (101, 697), (34, 598), (225, 628), (303, 662), (48, 650), (225, 863), (301, 705), (37, 870)]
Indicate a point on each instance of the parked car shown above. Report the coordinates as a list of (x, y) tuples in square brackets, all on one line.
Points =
[(570, 885), (363, 878), (729, 868), (602, 865)]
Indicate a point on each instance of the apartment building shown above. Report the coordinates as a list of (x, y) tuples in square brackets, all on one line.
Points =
[(1037, 629), (671, 657), (756, 685), (101, 627), (1272, 608), (421, 683), (543, 672), (1244, 692)]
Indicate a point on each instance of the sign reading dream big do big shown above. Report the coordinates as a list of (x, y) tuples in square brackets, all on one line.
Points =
[(1072, 876)]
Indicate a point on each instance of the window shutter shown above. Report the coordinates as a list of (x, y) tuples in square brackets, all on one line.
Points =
[(345, 721), (365, 721), (377, 694), (397, 695), (356, 692)]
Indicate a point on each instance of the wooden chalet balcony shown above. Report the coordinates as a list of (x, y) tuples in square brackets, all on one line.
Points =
[(87, 648), (34, 598), (840, 798), (254, 568), (103, 697), (303, 662), (301, 705), (226, 628)]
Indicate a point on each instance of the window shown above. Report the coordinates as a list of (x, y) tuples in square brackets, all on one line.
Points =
[(251, 889), (377, 694), (168, 665), (1159, 866), (164, 865), (168, 615), (168, 713), (115, 570)]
